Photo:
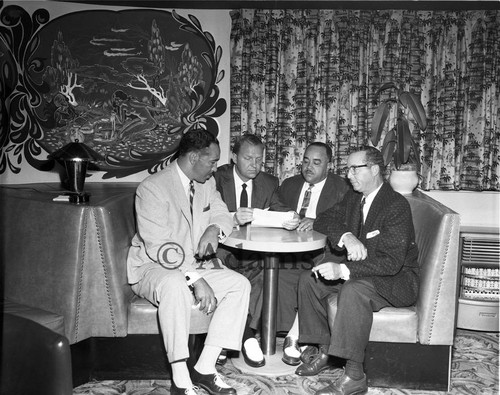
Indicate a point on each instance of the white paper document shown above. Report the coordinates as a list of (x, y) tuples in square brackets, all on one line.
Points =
[(270, 219)]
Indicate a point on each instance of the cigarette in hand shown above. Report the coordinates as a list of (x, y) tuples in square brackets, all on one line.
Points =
[(315, 272)]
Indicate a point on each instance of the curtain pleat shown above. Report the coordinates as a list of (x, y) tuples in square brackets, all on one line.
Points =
[(299, 76)]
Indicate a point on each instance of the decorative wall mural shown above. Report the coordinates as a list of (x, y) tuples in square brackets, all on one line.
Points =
[(127, 83)]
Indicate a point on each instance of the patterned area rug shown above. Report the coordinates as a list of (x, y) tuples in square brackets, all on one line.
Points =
[(474, 371)]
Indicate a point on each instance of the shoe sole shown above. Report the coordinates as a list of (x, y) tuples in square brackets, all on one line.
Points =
[(291, 363), (313, 374), (207, 388)]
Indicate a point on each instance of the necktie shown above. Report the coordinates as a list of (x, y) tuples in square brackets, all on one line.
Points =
[(305, 202), (244, 196), (361, 215), (191, 195)]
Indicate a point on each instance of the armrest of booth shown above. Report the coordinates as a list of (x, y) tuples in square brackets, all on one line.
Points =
[(70, 259), (437, 231)]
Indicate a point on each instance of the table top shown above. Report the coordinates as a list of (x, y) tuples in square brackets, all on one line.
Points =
[(275, 239), (101, 193)]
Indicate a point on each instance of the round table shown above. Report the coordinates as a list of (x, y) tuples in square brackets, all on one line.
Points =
[(271, 242)]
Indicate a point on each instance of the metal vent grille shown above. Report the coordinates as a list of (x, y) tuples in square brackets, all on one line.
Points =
[(480, 249), (480, 267)]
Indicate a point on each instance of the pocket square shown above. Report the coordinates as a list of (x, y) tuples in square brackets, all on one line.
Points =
[(369, 235), (206, 208)]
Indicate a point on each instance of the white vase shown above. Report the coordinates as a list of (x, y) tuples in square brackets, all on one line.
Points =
[(404, 181)]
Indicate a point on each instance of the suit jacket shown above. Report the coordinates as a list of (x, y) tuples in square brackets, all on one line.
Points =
[(163, 215), (389, 237), (333, 191), (264, 190)]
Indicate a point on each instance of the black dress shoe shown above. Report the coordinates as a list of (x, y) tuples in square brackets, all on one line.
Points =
[(212, 383), (345, 386), (289, 360), (309, 354), (174, 390), (317, 365), (252, 362)]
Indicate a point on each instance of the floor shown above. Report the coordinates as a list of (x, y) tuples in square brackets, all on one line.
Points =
[(475, 370)]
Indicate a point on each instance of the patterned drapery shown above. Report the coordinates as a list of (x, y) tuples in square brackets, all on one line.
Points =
[(299, 76)]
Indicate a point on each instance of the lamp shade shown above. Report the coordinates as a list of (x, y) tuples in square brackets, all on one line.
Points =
[(76, 157), (76, 151)]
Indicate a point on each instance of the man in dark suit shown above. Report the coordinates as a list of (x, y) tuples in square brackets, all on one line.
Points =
[(375, 226), (309, 193), (244, 187)]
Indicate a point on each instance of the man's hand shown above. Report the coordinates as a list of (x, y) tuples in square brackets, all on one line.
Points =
[(356, 250), (328, 270), (208, 242), (243, 215), (205, 296), (306, 224), (293, 223)]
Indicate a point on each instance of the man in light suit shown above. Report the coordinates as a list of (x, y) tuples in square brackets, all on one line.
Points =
[(243, 186), (180, 221), (325, 190), (375, 226)]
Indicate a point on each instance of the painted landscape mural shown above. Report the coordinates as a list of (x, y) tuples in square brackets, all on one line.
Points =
[(126, 83)]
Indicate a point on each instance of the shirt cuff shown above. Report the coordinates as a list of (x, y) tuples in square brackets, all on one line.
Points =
[(222, 237), (341, 241), (191, 277), (345, 273)]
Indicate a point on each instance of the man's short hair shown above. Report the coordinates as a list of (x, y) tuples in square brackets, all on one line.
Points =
[(251, 139), (196, 140), (328, 149), (374, 157)]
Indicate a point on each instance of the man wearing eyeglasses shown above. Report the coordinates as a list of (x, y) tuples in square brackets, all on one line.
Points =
[(375, 226)]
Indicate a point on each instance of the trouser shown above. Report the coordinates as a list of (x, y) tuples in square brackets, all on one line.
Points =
[(356, 301), (250, 264), (168, 290)]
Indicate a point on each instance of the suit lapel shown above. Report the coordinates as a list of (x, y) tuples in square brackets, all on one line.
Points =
[(229, 191), (325, 196), (257, 194), (376, 207)]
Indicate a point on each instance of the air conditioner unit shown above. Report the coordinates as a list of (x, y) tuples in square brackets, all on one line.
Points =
[(478, 303)]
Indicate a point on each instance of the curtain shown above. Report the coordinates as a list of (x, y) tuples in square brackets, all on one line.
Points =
[(299, 76)]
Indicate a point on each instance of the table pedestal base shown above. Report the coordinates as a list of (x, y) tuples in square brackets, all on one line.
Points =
[(274, 366)]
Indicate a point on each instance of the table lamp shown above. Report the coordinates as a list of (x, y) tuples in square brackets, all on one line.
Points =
[(76, 157)]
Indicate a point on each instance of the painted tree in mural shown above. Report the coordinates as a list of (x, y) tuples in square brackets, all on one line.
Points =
[(63, 81)]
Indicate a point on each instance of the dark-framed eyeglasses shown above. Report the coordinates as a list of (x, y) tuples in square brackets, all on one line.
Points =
[(355, 168)]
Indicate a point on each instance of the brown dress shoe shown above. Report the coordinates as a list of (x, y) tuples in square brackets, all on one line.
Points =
[(317, 365), (309, 353), (345, 386)]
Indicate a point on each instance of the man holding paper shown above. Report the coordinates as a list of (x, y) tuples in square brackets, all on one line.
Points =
[(243, 187), (311, 192)]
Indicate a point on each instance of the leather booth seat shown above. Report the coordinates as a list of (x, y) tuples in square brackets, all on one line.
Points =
[(425, 331), (70, 260), (36, 356)]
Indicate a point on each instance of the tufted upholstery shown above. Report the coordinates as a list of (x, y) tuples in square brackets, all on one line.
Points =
[(432, 320)]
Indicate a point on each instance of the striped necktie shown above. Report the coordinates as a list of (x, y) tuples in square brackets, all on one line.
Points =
[(191, 195), (305, 202)]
